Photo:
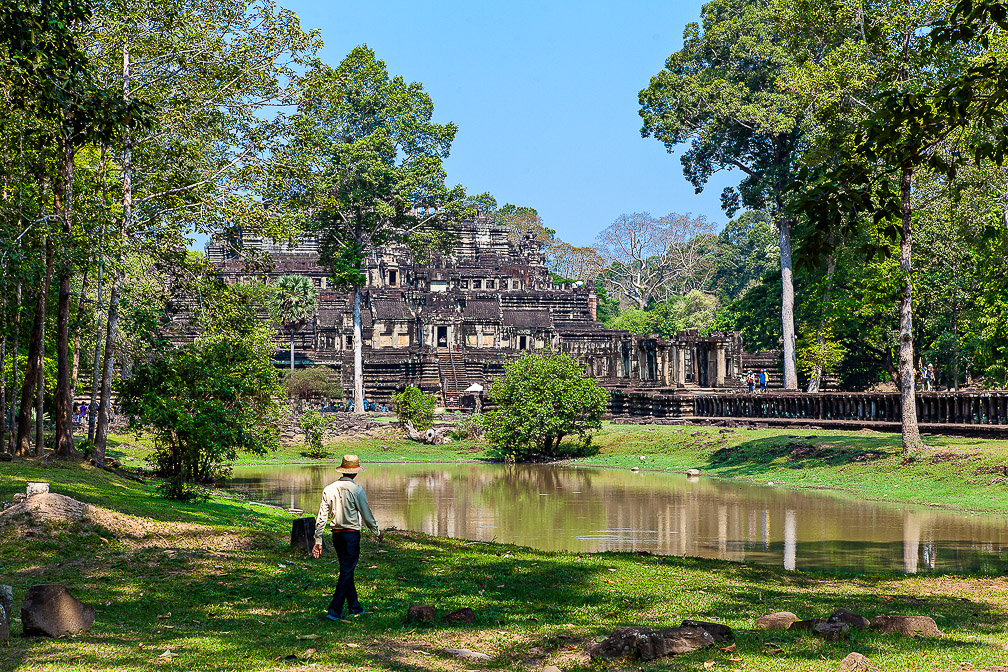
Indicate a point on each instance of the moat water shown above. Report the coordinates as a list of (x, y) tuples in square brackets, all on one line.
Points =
[(586, 509)]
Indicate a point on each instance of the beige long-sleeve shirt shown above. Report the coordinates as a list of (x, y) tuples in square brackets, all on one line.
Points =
[(345, 504)]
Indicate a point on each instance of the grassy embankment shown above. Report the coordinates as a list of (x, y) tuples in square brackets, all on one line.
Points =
[(955, 472), (215, 585)]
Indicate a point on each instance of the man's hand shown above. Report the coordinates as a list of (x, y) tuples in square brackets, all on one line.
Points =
[(316, 550)]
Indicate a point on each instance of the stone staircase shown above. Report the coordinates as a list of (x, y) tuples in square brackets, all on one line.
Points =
[(454, 378)]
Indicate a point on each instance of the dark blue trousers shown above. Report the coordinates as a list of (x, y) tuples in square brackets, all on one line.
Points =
[(347, 543)]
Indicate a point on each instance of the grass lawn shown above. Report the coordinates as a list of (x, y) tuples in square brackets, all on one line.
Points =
[(215, 585)]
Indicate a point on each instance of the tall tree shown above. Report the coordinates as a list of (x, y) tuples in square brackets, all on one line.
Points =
[(212, 75), (294, 301), (653, 259), (720, 94), (365, 170)]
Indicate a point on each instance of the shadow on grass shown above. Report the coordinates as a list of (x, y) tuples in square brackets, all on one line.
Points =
[(764, 455)]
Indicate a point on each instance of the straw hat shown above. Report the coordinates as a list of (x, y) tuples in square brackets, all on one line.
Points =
[(350, 465)]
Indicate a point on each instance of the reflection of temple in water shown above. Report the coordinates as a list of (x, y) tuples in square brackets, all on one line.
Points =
[(600, 510)]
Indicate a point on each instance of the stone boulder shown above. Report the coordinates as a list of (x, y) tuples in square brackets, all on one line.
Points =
[(854, 620), (467, 654), (779, 620), (911, 626), (463, 616), (421, 613), (6, 604), (807, 624), (6, 457), (50, 609), (719, 631), (832, 632), (647, 644), (854, 662), (693, 472), (35, 488), (303, 533)]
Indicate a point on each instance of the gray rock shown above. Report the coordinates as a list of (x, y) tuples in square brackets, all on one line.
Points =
[(779, 620), (807, 624), (466, 654), (50, 609), (693, 472), (911, 626), (464, 616), (6, 604), (303, 533), (647, 644), (719, 631), (37, 488), (421, 613), (832, 632), (6, 457), (852, 619), (854, 662)]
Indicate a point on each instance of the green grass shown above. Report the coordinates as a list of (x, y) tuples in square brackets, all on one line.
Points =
[(240, 599)]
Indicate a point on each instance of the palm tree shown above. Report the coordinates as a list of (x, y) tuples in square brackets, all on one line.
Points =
[(294, 304)]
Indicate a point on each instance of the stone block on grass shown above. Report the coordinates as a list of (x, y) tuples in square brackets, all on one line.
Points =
[(779, 620), (421, 613), (303, 533), (49, 609), (911, 626), (719, 631), (463, 616)]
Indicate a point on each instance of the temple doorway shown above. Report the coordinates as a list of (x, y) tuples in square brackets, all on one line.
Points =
[(442, 337)]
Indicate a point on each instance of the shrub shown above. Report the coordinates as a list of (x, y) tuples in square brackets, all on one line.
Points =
[(313, 424), (413, 405), (469, 427), (207, 400), (541, 399), (314, 382)]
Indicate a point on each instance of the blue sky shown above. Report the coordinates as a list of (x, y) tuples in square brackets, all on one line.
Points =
[(544, 94)]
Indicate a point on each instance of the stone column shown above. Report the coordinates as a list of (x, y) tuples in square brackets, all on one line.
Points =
[(721, 370)]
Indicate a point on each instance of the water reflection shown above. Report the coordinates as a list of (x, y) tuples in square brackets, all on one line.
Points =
[(598, 510)]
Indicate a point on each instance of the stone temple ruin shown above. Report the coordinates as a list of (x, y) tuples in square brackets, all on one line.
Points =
[(450, 323)]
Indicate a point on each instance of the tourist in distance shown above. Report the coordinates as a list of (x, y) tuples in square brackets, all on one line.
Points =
[(762, 380), (750, 380), (345, 504)]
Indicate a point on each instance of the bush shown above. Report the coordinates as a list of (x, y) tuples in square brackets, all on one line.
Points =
[(413, 405), (469, 427), (207, 400), (314, 424), (314, 382), (541, 399)]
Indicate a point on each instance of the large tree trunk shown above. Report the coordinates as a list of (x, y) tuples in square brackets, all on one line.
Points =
[(64, 382), (3, 369), (358, 354), (101, 431), (908, 394), (815, 383), (40, 371), (96, 366), (76, 359), (15, 345), (787, 305), (28, 383)]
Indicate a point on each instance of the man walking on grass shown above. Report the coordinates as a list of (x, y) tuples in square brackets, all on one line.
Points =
[(345, 504)]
